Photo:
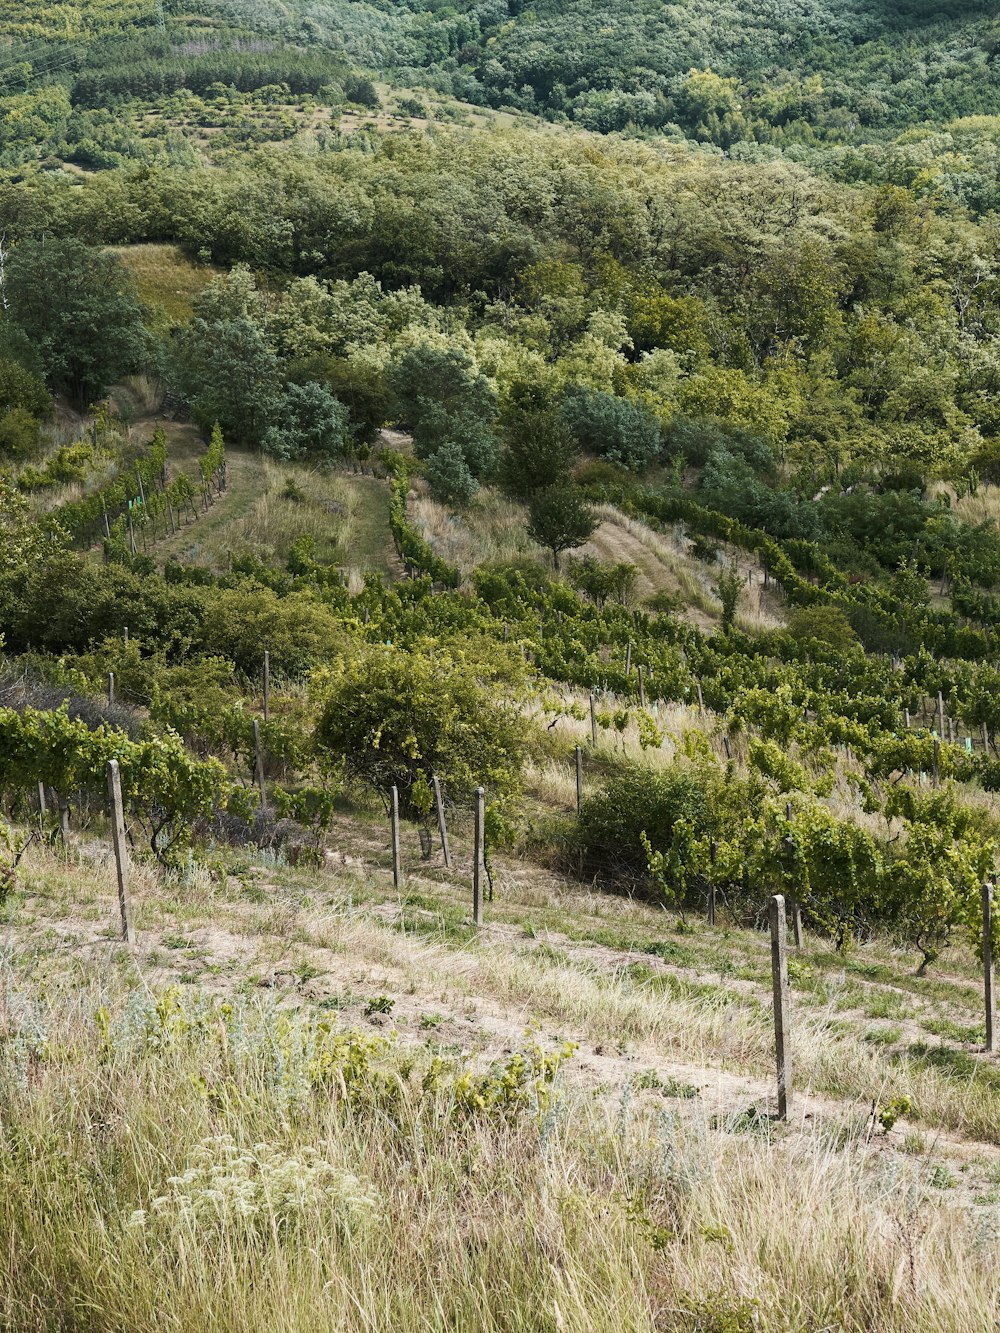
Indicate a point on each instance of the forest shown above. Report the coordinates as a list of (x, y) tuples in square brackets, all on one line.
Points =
[(593, 413)]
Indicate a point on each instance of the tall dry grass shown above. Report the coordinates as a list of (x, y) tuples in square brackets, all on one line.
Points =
[(490, 528), (172, 1164)]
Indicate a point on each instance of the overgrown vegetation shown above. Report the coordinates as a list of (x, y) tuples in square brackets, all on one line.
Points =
[(665, 442)]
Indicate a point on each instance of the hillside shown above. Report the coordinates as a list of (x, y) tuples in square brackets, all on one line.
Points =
[(790, 71), (321, 1041), (499, 511)]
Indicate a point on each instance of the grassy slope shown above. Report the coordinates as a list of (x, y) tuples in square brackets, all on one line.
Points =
[(645, 1184), (268, 507), (166, 279)]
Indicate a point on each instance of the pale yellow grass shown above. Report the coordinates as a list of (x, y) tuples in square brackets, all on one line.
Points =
[(490, 528), (271, 508), (609, 1208)]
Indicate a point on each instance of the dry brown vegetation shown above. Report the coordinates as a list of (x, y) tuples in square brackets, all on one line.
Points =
[(646, 1187)]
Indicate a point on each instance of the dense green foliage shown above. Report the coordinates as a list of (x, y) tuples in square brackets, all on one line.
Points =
[(718, 70), (763, 322), (401, 718)]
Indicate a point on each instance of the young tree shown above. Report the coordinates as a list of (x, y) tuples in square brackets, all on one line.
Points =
[(729, 590), (560, 520), (78, 307), (445, 399), (400, 717), (618, 429), (448, 475), (230, 373), (539, 450)]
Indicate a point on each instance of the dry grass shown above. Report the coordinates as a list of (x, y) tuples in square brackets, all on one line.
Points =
[(490, 528), (328, 510), (982, 507), (269, 508), (662, 558), (194, 1156)]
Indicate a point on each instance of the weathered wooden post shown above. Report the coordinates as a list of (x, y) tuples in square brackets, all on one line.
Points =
[(593, 723), (126, 634), (41, 797), (579, 779), (477, 865), (442, 825), (628, 659), (906, 718), (267, 686), (122, 860), (365, 617), (258, 762), (64, 821), (779, 985), (397, 863), (951, 731), (727, 747), (111, 689), (940, 711), (988, 967), (713, 851)]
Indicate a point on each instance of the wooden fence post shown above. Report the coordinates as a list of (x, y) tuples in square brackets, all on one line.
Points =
[(41, 798), (940, 710), (628, 659), (122, 860), (64, 821), (906, 718), (779, 984), (988, 966), (727, 747), (442, 826), (579, 779), (258, 762), (267, 686), (477, 865), (593, 723), (111, 689), (397, 862)]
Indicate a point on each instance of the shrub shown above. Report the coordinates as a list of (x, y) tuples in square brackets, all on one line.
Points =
[(618, 429), (638, 801), (448, 475), (400, 717), (825, 624)]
